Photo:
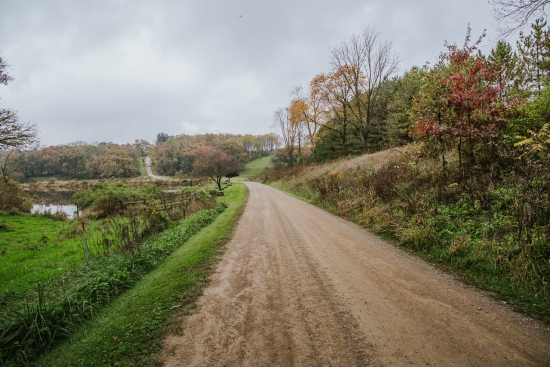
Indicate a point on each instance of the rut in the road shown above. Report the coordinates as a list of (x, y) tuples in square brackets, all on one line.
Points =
[(354, 340), (300, 287)]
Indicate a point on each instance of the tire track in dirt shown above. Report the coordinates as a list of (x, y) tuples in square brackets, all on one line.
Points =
[(355, 343), (300, 287)]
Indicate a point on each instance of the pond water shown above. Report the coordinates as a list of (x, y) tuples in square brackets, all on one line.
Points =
[(60, 201), (70, 209), (55, 202)]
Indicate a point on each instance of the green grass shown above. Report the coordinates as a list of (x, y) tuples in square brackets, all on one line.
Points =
[(141, 167), (254, 168), (37, 322), (35, 248), (129, 332)]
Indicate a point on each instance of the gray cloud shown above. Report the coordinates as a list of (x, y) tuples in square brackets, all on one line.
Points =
[(122, 70)]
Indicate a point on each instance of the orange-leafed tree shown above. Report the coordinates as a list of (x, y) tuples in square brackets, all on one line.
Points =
[(298, 121), (337, 97), (312, 108)]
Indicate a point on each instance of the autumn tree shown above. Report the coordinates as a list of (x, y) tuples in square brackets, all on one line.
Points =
[(337, 97), (299, 122), (118, 162), (214, 163), (271, 142), (312, 108), (365, 62), (287, 131), (459, 106), (174, 155), (142, 147), (259, 146), (248, 144)]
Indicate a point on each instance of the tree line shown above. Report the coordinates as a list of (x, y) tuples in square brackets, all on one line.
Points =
[(466, 102), (78, 160), (183, 155)]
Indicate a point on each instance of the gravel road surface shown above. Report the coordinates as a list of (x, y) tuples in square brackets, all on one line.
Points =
[(149, 170), (298, 286)]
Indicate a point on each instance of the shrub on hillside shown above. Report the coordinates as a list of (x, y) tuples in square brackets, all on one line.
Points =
[(107, 198), (13, 199)]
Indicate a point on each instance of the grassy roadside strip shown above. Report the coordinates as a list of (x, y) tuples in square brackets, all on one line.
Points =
[(130, 331), (277, 185)]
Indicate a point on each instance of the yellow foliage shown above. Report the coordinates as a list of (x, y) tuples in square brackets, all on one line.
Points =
[(537, 142)]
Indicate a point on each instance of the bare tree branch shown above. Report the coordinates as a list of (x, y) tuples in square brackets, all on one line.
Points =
[(512, 15), (5, 78), (15, 134), (287, 130), (365, 63)]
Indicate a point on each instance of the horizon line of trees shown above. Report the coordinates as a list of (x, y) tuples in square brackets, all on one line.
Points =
[(178, 155), (77, 160), (172, 156)]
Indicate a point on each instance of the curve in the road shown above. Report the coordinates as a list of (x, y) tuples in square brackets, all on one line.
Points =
[(150, 171)]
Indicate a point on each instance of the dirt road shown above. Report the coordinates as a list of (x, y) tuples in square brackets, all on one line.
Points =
[(149, 170), (300, 287)]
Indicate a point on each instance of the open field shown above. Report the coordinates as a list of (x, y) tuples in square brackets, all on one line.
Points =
[(35, 248)]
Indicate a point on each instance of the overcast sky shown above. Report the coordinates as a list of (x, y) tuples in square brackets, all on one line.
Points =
[(120, 70)]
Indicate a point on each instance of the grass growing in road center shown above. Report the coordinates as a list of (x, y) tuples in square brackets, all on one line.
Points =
[(130, 331)]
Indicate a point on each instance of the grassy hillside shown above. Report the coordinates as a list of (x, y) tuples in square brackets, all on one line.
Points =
[(472, 224), (254, 168), (141, 167)]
